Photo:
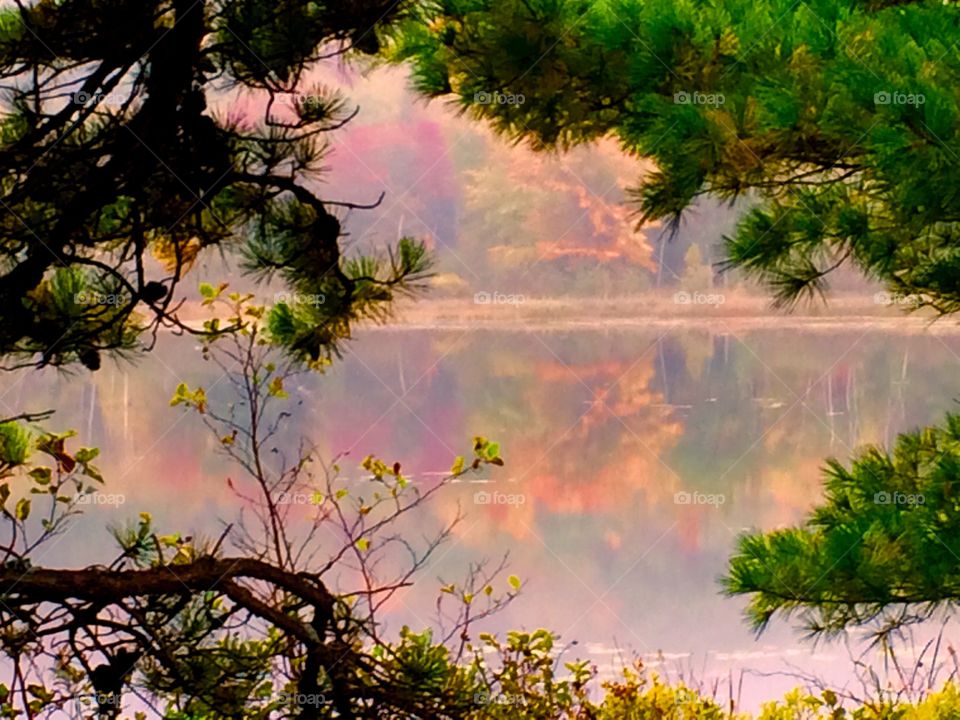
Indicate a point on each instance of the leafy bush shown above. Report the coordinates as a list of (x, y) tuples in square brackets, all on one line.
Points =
[(523, 681)]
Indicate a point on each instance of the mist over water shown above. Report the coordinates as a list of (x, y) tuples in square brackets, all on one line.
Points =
[(633, 459)]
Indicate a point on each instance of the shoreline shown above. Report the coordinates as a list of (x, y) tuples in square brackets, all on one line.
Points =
[(658, 313)]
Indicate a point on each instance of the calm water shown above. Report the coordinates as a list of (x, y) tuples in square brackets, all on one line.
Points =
[(605, 435)]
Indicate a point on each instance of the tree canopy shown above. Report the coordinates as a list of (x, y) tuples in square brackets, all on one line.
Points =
[(120, 167), (835, 119)]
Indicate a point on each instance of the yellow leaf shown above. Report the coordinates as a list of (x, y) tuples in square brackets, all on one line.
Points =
[(514, 582), (276, 388), (457, 468), (166, 251), (179, 394)]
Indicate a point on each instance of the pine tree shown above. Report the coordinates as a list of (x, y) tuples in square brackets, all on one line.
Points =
[(837, 117), (881, 550), (117, 173)]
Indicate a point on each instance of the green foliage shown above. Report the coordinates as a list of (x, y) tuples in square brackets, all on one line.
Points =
[(311, 318), (42, 485), (14, 445), (116, 175), (520, 677), (881, 548), (836, 116)]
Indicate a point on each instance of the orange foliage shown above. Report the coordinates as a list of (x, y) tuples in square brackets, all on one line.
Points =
[(620, 436)]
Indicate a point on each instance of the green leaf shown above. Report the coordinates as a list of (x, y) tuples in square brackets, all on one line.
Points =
[(22, 511), (41, 475), (169, 540), (85, 455), (40, 692), (92, 472)]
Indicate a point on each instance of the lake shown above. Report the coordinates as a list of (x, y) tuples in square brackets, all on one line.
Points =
[(634, 456)]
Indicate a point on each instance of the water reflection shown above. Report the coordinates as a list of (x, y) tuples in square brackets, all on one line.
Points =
[(633, 460)]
